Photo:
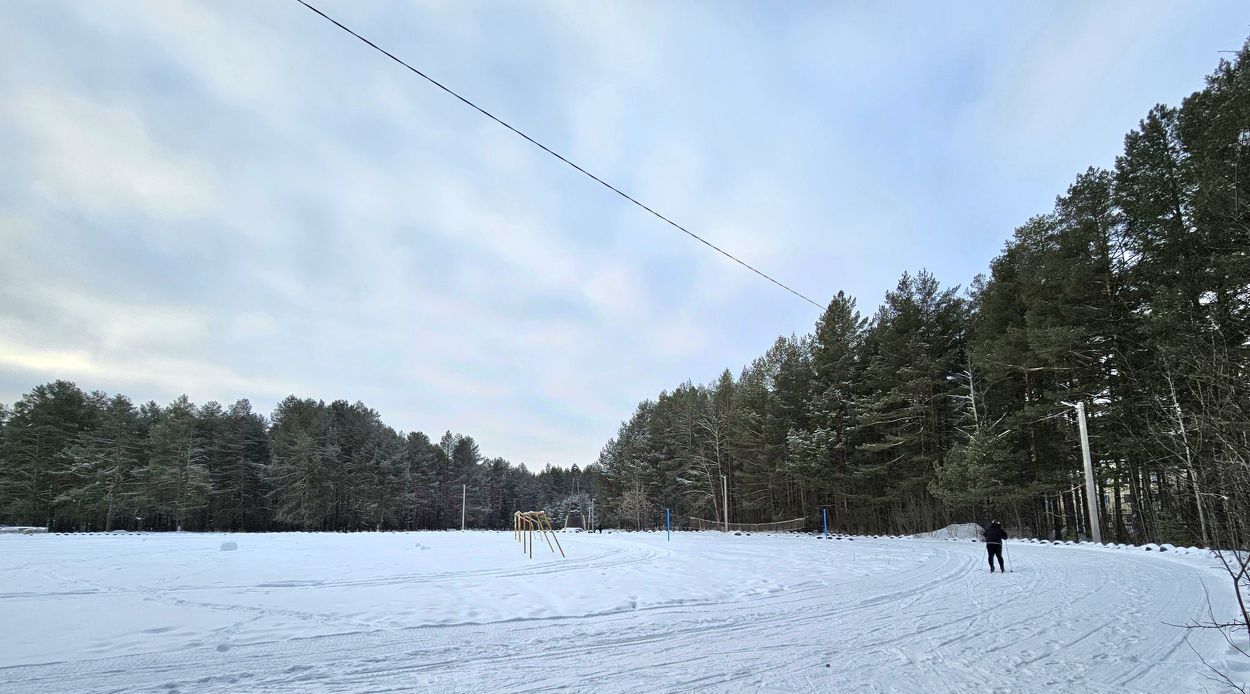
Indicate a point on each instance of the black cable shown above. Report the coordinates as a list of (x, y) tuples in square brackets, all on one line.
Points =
[(557, 155)]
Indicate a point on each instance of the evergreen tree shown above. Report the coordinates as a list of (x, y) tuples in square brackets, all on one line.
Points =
[(175, 483), (42, 427), (302, 450), (102, 465)]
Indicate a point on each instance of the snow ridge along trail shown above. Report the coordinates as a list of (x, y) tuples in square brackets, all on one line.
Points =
[(467, 612)]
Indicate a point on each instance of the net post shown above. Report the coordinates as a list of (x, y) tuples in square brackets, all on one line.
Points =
[(553, 534), (543, 523)]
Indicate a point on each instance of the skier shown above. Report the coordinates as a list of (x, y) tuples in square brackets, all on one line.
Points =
[(994, 536)]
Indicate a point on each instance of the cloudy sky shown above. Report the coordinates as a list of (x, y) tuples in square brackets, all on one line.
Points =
[(235, 199)]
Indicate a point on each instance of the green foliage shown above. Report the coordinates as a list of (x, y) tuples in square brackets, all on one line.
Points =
[(1132, 294), (77, 461), (971, 474)]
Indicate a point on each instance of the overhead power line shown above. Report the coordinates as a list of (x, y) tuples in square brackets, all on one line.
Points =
[(561, 157)]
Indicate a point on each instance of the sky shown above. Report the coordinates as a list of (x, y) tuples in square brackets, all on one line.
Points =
[(235, 199)]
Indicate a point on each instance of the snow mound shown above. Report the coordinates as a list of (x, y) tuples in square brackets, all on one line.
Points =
[(955, 531), (21, 530), (229, 546)]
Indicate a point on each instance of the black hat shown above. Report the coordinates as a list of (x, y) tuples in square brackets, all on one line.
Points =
[(993, 522)]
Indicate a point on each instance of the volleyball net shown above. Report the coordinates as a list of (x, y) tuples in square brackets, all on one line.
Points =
[(787, 526)]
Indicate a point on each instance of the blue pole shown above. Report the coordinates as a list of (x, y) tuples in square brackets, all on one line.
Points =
[(824, 521), (668, 526)]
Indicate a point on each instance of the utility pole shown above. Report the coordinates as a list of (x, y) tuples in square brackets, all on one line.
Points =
[(724, 487), (464, 495), (1091, 491)]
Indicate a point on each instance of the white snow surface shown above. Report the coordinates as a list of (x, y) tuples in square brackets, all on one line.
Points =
[(624, 612)]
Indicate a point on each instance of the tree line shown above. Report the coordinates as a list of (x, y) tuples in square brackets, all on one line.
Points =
[(75, 460), (1132, 295)]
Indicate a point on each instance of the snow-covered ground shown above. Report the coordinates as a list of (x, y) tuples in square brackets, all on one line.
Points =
[(467, 612)]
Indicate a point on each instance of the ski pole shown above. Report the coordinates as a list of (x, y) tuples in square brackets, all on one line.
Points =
[(1008, 553)]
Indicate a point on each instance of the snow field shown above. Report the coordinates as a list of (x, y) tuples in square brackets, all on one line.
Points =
[(451, 612)]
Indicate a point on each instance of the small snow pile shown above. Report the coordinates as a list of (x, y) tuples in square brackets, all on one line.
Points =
[(955, 531), (229, 546), (21, 530)]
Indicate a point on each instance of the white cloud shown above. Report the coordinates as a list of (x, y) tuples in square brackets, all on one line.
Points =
[(503, 232), (616, 38), (232, 47), (236, 199), (102, 158), (1072, 76), (596, 119), (167, 375), (616, 291), (458, 384), (677, 338)]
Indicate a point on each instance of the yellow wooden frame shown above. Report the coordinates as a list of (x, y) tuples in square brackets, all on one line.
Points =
[(524, 523)]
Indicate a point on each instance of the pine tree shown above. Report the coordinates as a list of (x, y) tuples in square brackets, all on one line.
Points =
[(913, 346), (421, 457), (103, 463), (175, 483), (238, 460), (42, 427), (302, 449), (836, 370)]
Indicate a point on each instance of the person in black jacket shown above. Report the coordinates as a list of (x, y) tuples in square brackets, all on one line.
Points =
[(994, 536)]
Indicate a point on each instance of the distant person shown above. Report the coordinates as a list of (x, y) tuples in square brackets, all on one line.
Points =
[(994, 536)]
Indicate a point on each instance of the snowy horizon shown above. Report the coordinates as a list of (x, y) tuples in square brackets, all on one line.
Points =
[(237, 200)]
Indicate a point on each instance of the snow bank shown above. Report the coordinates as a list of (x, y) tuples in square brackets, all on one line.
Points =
[(21, 530), (956, 531)]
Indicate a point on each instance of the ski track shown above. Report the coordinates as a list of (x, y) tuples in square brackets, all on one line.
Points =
[(868, 615)]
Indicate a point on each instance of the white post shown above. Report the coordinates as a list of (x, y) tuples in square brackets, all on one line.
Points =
[(1091, 491), (464, 495), (724, 491)]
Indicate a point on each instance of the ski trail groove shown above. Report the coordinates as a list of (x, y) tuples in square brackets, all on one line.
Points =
[(792, 615)]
